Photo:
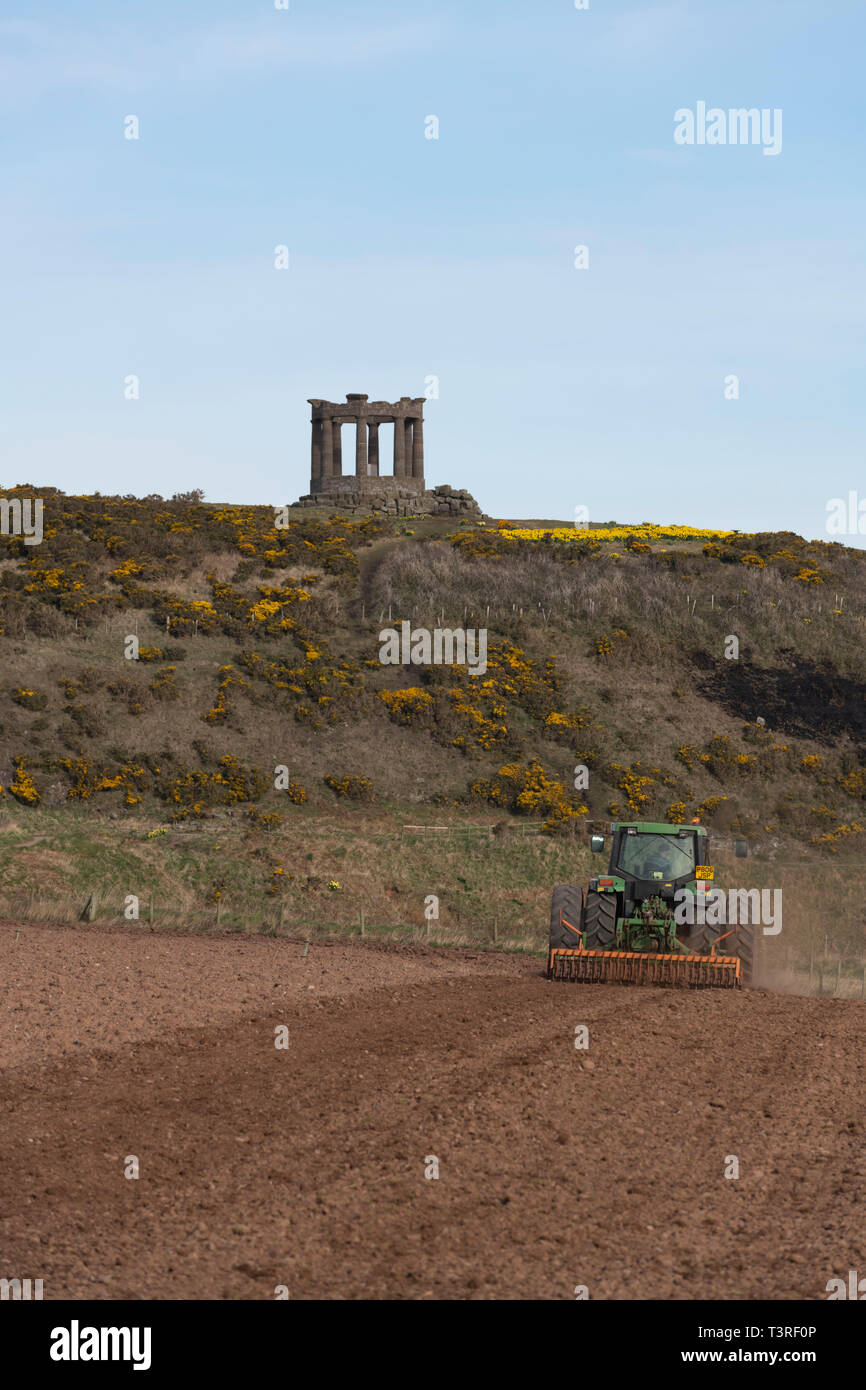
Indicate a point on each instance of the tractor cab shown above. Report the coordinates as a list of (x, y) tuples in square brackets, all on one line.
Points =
[(656, 860)]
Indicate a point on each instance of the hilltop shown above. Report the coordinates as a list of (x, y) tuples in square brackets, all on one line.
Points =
[(258, 648)]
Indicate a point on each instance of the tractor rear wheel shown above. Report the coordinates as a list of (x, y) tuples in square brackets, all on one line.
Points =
[(599, 921), (742, 944), (699, 941), (566, 916)]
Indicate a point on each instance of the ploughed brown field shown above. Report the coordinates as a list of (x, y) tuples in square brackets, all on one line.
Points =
[(305, 1166)]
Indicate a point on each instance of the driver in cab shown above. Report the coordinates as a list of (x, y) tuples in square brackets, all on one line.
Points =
[(657, 861)]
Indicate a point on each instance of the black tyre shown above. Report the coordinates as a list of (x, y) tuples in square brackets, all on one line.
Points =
[(742, 944), (698, 940), (566, 914), (599, 922)]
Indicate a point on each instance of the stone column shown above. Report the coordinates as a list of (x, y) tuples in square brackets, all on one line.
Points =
[(360, 447), (373, 465), (407, 447), (316, 452), (399, 447), (418, 449), (337, 467), (327, 448)]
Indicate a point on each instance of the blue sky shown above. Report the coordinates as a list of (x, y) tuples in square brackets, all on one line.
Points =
[(452, 258)]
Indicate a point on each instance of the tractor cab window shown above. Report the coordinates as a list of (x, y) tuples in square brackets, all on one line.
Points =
[(663, 857)]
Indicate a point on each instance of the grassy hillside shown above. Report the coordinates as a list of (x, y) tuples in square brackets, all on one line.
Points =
[(259, 649)]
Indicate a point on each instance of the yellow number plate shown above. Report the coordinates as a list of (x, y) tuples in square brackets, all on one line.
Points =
[(704, 871)]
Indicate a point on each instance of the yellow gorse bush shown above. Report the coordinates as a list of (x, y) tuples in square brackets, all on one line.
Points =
[(22, 786), (29, 699), (86, 779), (637, 783), (354, 787), (405, 706), (644, 532), (527, 790), (832, 839)]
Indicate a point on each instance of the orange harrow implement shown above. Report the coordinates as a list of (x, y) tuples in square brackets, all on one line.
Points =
[(644, 968)]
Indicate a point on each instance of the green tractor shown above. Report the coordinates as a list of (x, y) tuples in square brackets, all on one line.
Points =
[(635, 924)]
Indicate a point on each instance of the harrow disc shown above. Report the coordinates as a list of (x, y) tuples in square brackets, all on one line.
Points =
[(644, 968)]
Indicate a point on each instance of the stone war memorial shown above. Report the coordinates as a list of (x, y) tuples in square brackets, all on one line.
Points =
[(365, 486)]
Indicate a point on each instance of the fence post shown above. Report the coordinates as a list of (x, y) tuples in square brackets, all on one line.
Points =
[(89, 912)]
